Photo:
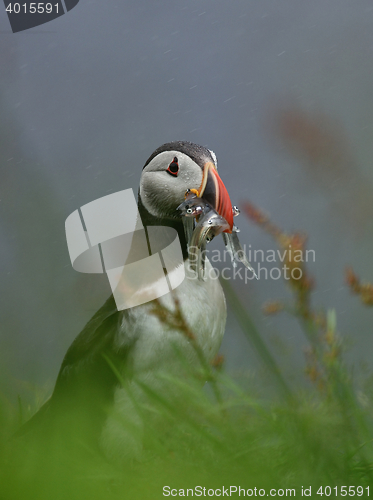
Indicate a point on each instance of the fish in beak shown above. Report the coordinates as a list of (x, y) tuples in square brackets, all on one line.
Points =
[(212, 209)]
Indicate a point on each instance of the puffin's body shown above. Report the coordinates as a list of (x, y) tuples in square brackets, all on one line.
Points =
[(96, 384), (153, 351)]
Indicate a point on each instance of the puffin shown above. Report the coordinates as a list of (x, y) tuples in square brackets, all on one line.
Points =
[(100, 384)]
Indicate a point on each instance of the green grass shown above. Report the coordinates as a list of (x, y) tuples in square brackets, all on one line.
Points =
[(307, 439), (221, 435)]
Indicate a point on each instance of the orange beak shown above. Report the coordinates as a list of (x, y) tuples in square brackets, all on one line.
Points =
[(213, 191)]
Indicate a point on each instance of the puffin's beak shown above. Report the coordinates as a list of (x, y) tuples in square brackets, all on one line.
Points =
[(213, 192), (212, 208)]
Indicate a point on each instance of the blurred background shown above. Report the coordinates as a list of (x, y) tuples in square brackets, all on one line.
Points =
[(281, 91)]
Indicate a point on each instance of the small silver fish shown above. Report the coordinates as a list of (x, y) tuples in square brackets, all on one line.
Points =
[(208, 225)]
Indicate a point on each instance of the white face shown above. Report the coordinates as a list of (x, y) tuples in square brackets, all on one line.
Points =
[(161, 193)]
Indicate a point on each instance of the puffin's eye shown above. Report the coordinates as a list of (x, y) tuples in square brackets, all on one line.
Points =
[(173, 167)]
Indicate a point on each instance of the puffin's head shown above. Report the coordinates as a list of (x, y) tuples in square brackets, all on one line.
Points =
[(173, 169)]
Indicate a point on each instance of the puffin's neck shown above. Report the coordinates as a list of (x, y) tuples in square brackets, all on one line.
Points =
[(151, 220)]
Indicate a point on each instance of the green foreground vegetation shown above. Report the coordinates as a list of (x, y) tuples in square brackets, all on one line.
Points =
[(223, 437)]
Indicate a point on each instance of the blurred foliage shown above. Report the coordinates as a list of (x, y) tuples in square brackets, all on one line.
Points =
[(364, 290), (321, 435)]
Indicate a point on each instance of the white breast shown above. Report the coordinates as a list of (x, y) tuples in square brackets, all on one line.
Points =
[(204, 309)]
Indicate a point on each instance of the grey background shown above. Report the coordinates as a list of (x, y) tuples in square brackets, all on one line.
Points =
[(85, 99)]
